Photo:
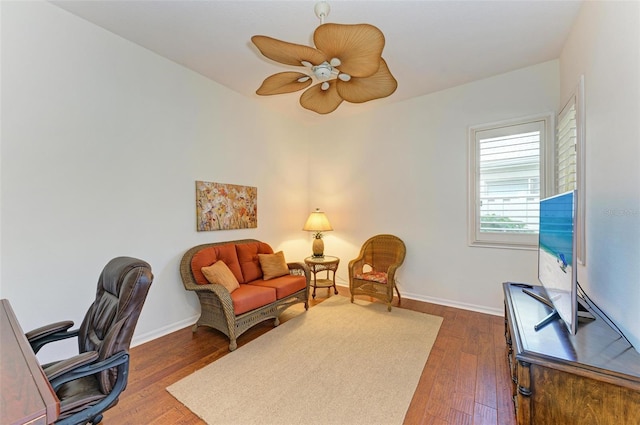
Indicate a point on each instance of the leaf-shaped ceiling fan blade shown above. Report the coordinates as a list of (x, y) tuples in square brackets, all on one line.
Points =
[(359, 90), (283, 82), (359, 47), (321, 101), (287, 53)]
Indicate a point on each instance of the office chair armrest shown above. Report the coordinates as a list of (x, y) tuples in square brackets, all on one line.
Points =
[(53, 332), (83, 365), (48, 329), (119, 362), (54, 370)]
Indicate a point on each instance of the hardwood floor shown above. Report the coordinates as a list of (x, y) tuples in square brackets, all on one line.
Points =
[(464, 382)]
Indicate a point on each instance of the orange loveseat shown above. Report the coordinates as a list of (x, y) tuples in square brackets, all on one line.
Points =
[(255, 296)]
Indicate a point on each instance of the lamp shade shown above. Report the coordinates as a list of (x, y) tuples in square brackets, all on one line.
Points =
[(317, 222)]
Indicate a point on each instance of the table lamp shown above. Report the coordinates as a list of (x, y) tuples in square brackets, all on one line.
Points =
[(318, 223)]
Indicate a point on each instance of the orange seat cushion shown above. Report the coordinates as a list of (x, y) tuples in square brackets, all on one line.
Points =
[(250, 297), (284, 285), (209, 255), (378, 277), (247, 254)]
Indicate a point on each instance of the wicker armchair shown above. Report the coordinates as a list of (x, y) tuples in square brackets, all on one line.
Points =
[(373, 272)]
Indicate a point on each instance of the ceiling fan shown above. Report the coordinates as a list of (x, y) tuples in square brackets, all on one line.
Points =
[(346, 63)]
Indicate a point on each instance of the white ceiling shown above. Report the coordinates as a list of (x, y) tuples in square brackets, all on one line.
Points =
[(430, 45)]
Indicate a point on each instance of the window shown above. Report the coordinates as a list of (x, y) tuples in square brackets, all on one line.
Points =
[(507, 163)]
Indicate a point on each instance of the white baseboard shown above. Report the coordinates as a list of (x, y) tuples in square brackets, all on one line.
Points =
[(157, 333), (448, 303), (457, 304)]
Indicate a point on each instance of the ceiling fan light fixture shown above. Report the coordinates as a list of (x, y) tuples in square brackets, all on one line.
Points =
[(324, 71)]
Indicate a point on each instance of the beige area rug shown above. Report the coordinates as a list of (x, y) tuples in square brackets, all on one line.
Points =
[(338, 363)]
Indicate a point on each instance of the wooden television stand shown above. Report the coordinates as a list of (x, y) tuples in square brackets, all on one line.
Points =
[(592, 377)]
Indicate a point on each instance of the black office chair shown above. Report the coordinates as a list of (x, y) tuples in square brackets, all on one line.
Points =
[(91, 382)]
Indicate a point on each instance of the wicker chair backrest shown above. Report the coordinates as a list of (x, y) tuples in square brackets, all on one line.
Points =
[(383, 251)]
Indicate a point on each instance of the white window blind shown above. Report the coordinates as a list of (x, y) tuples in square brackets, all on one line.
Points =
[(510, 183), (565, 152)]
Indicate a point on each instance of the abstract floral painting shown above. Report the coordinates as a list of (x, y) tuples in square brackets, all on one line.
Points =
[(221, 206)]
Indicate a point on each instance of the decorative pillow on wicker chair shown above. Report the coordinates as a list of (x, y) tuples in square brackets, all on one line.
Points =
[(273, 265), (378, 277), (220, 273)]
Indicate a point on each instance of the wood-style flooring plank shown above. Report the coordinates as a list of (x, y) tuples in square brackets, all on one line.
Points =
[(468, 343), (465, 383), (441, 399), (486, 392), (417, 412), (484, 415), (504, 384)]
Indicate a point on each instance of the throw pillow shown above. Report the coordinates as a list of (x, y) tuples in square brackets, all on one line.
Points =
[(273, 265), (220, 273)]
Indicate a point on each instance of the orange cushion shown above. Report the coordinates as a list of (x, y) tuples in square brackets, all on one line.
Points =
[(248, 258), (284, 285), (273, 265), (209, 255), (378, 277), (250, 297), (220, 274)]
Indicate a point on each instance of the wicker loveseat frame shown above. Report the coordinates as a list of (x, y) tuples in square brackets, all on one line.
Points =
[(217, 309)]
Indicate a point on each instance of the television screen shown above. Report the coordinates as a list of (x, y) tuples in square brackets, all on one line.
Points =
[(556, 255)]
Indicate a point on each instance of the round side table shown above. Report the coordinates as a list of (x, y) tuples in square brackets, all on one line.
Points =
[(319, 264)]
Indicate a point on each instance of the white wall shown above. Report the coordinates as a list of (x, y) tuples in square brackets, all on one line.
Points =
[(604, 46), (402, 169), (102, 142)]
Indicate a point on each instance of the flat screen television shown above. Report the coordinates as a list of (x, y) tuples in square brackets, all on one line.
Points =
[(557, 263)]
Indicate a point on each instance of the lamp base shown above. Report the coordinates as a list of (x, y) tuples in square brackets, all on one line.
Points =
[(318, 248)]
